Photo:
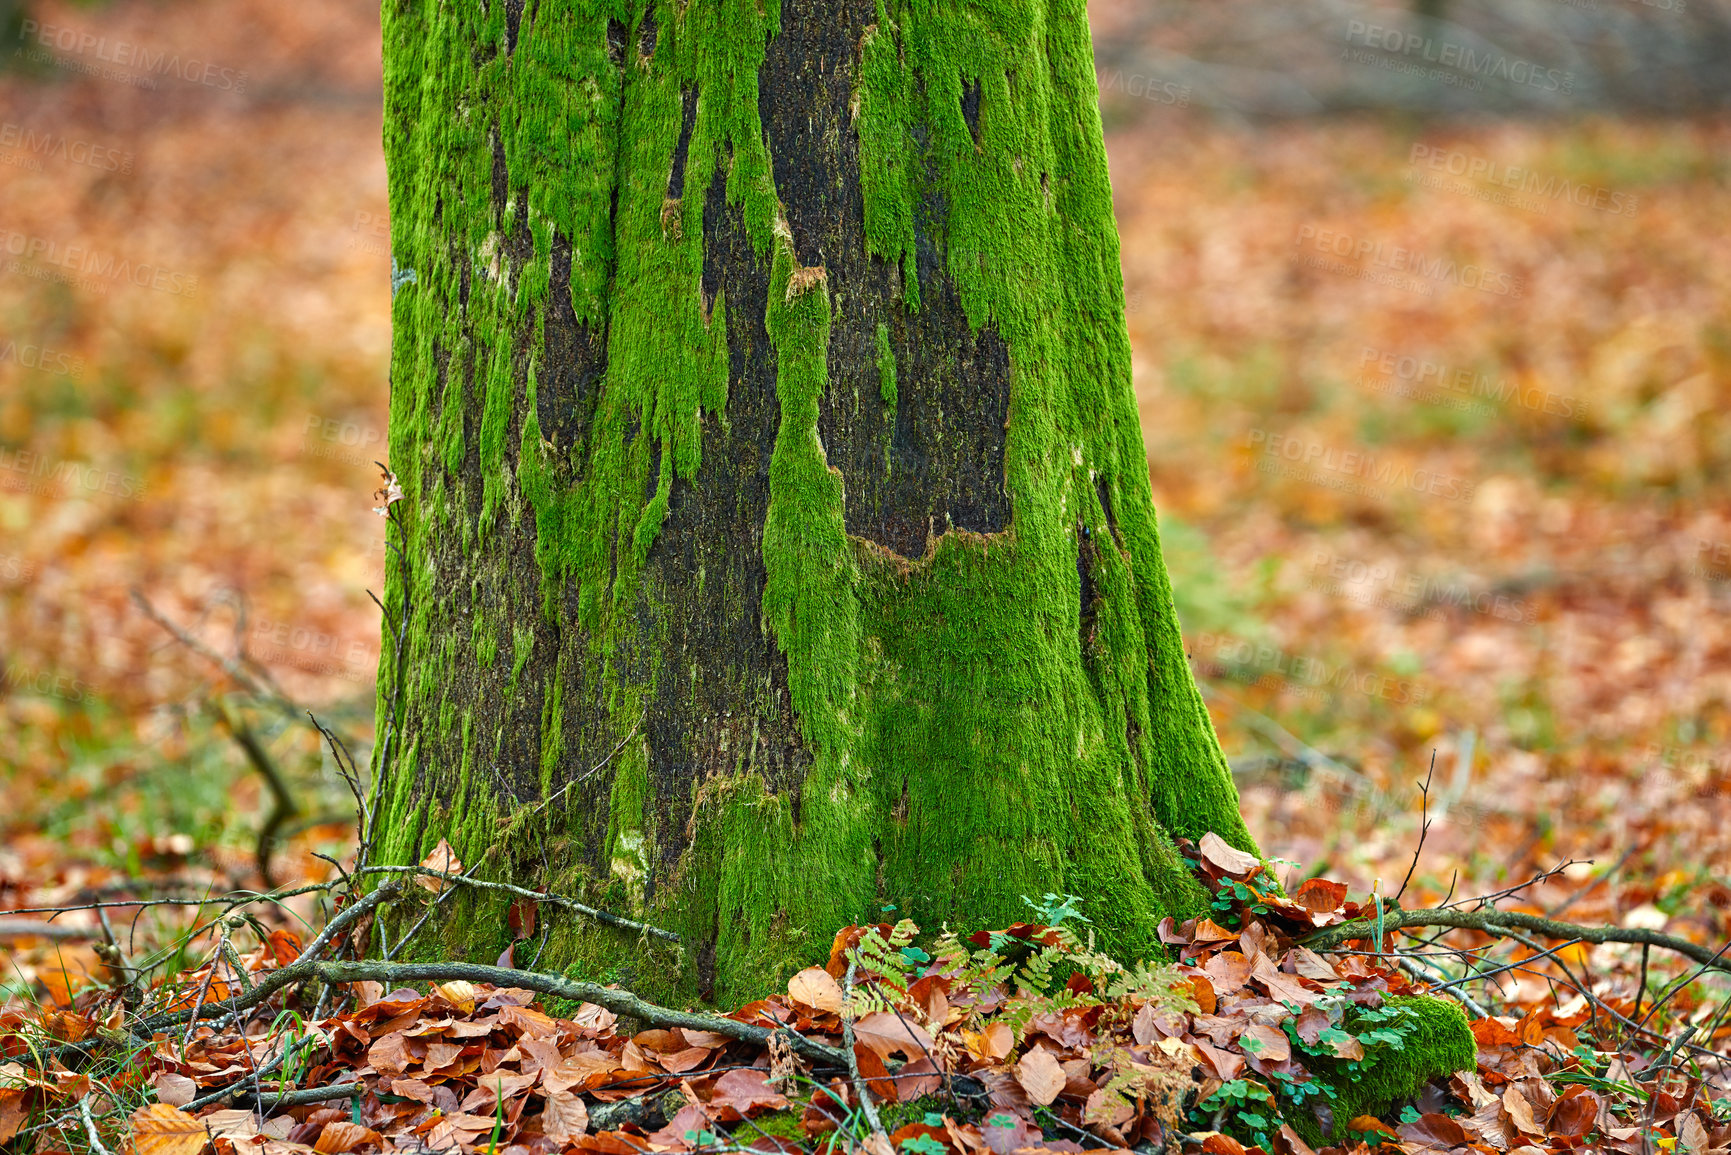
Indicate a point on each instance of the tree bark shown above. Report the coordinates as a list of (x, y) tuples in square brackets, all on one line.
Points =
[(774, 496)]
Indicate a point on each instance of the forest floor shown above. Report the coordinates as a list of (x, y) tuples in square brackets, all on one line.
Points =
[(1406, 517)]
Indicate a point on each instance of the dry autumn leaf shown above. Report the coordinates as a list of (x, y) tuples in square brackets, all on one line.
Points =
[(1226, 858), (342, 1136), (565, 1117), (1040, 1075), (444, 860), (815, 987), (160, 1129)]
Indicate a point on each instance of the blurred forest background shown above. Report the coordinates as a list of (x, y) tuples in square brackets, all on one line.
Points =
[(1410, 511)]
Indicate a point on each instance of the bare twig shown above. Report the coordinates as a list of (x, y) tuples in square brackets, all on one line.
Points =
[(859, 1085), (96, 1146), (14, 928), (283, 805), (1424, 825), (570, 904), (620, 1002), (1498, 922)]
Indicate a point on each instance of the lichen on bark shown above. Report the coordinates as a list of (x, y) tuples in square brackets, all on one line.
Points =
[(775, 494)]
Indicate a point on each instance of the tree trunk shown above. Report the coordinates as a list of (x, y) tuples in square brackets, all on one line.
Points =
[(777, 547)]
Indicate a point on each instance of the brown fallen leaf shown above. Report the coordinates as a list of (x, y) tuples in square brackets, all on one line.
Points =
[(1265, 1043), (1520, 1112), (342, 1136), (159, 1129), (565, 1117), (1226, 858), (815, 987), (1041, 1076), (888, 1033), (992, 1042), (12, 1112), (390, 1055), (748, 1092), (175, 1090), (444, 860)]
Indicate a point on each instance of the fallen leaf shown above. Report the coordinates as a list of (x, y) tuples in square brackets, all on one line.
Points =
[(1266, 1043), (888, 1033), (1434, 1130), (1370, 1124), (815, 987), (160, 1129), (1040, 1076), (444, 860), (12, 1112), (390, 1055), (993, 1042), (1226, 858), (175, 1090), (1319, 895), (565, 1117), (460, 993), (1520, 1112), (747, 1091), (342, 1136)]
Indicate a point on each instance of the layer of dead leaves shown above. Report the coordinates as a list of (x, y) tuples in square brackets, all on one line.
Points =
[(467, 1068)]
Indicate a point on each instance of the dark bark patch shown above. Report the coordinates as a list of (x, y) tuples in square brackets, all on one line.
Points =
[(501, 177), (721, 679), (971, 109), (934, 461), (569, 388), (1089, 596), (688, 121), (513, 21), (1105, 495), (617, 35), (646, 34)]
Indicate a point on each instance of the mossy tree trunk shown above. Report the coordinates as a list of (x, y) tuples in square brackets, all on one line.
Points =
[(777, 546)]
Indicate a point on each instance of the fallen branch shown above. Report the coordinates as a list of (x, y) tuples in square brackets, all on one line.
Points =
[(15, 928), (1500, 922), (620, 1002)]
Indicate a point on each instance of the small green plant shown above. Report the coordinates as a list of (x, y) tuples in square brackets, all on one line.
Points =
[(1242, 1108)]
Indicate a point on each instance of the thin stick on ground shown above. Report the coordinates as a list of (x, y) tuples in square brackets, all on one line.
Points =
[(1498, 922), (859, 1084)]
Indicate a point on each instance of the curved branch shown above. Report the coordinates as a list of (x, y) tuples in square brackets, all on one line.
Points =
[(605, 917), (1500, 922)]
